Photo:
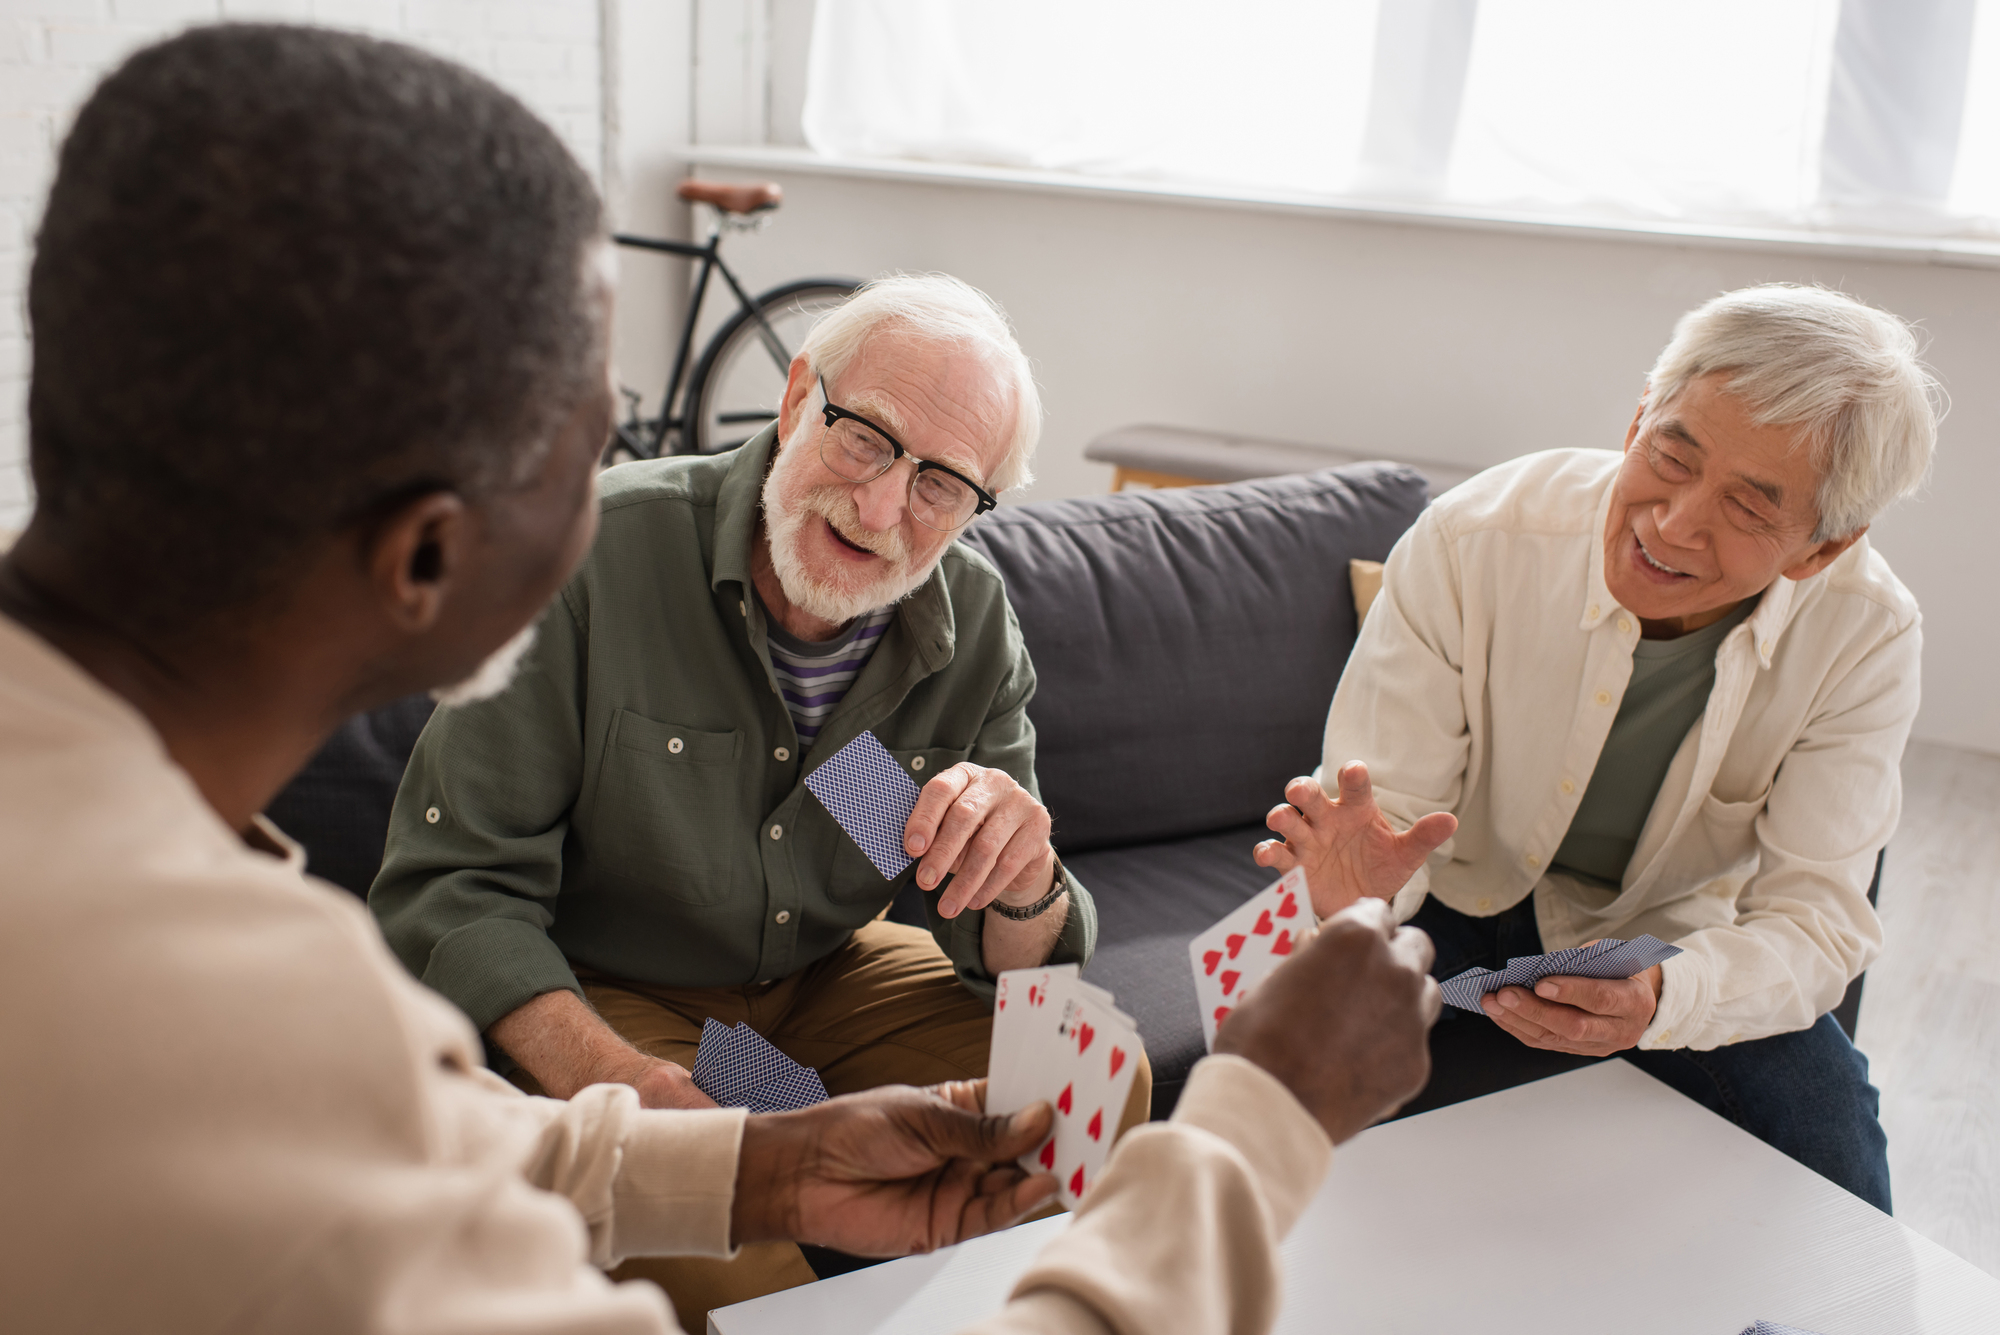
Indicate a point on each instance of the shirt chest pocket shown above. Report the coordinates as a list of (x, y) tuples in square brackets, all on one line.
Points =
[(668, 808), (852, 878)]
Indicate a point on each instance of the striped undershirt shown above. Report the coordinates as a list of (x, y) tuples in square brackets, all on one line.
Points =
[(813, 677)]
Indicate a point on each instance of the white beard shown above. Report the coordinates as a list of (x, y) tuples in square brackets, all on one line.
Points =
[(825, 599), (491, 677)]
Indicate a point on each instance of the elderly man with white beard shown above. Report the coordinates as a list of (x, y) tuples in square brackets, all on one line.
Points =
[(621, 846)]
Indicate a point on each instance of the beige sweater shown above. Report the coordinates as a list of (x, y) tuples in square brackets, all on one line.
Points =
[(225, 1107)]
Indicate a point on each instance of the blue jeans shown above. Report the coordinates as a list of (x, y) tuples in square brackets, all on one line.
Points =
[(1805, 1094)]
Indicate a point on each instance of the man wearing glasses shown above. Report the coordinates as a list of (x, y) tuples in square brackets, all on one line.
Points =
[(621, 846)]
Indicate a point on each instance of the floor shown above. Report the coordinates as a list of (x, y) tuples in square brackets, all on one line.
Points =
[(1930, 1012)]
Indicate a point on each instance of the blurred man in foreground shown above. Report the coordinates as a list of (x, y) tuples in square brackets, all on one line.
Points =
[(318, 394)]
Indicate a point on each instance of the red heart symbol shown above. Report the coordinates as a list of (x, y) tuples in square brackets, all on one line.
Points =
[(1263, 927), (1096, 1128), (1117, 1059), (1290, 907), (1076, 1181), (1229, 980), (1003, 1003), (1211, 959), (1033, 1000), (1235, 943), (1063, 1103), (1221, 1014), (1084, 1033), (1283, 945), (1048, 1154)]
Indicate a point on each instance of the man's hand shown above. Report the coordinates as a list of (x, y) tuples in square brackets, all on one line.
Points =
[(1342, 1023), (985, 829), (566, 1045), (661, 1084), (889, 1172), (1592, 1017), (1348, 847)]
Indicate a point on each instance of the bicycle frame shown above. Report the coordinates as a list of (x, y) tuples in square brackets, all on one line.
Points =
[(710, 255)]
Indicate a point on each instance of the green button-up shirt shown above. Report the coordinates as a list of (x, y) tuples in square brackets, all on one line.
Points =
[(635, 803)]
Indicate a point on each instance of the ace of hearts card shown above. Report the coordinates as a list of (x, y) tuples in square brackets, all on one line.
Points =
[(1232, 957)]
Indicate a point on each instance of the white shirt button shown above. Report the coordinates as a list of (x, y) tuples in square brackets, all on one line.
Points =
[(1665, 1036), (916, 762), (784, 916), (1532, 860), (782, 753), (777, 832), (1625, 623), (674, 745), (1569, 785), (1604, 697), (432, 815), (1592, 613), (1482, 903), (1765, 648)]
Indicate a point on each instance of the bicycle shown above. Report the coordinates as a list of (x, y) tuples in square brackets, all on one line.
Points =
[(737, 383)]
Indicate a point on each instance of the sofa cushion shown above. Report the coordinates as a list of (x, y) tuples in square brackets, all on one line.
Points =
[(1187, 641), (1151, 901), (338, 805)]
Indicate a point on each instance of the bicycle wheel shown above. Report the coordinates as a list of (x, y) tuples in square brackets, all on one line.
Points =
[(740, 379)]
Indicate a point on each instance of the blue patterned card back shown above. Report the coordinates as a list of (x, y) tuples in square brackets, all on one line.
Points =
[(866, 792), (737, 1068), (1608, 958)]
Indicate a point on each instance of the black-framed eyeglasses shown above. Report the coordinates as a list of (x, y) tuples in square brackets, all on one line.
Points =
[(856, 450)]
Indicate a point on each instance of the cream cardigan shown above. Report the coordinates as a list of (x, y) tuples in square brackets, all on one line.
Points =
[(1485, 681)]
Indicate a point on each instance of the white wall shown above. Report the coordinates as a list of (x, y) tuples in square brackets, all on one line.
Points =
[(52, 52), (1464, 346)]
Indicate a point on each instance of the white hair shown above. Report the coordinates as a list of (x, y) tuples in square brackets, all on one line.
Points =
[(937, 306), (1845, 373)]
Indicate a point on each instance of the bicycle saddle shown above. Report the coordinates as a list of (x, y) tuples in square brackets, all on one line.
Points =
[(733, 198)]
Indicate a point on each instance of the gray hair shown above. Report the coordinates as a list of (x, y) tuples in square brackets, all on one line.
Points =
[(1847, 374), (949, 310)]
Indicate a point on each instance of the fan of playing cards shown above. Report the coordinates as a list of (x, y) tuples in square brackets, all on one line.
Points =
[(737, 1068), (1058, 1038), (1609, 958)]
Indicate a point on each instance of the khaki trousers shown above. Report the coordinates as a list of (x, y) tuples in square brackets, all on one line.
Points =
[(884, 1009)]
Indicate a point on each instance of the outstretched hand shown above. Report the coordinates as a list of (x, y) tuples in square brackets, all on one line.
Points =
[(1347, 846), (889, 1172)]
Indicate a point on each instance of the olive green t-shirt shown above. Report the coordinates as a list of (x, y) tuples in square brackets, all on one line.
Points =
[(1669, 690)]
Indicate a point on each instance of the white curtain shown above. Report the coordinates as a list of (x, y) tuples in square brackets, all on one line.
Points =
[(1269, 92), (1845, 113)]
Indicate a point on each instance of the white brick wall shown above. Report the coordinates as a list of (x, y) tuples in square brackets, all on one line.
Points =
[(52, 52)]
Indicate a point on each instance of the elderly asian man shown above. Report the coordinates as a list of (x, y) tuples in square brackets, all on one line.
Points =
[(1662, 691), (622, 845), (319, 389)]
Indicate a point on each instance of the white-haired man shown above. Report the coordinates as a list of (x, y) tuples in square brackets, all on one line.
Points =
[(1661, 691), (621, 846)]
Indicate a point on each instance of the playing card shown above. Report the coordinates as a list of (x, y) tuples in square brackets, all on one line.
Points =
[(1232, 957), (868, 795), (737, 1068), (1027, 1007), (1609, 958), (1060, 1039)]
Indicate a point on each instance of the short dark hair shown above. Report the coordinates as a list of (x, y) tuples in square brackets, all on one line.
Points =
[(287, 278)]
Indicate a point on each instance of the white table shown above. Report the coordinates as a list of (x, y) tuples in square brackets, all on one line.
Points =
[(1482, 1211)]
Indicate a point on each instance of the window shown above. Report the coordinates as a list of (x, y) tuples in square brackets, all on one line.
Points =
[(1870, 114)]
